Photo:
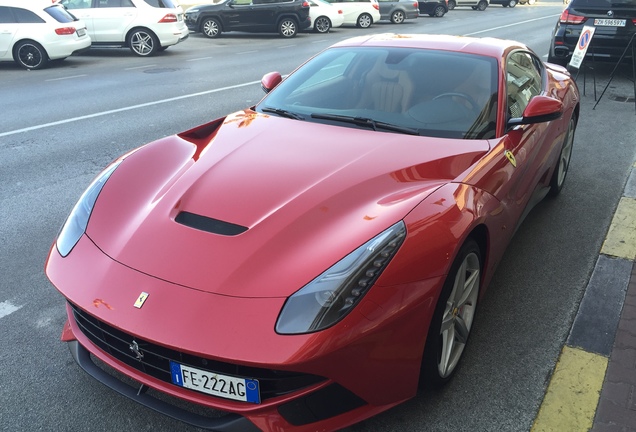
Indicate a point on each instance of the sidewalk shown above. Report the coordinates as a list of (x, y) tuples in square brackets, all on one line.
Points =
[(593, 386)]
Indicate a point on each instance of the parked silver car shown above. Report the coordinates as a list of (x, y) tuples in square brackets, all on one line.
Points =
[(398, 10)]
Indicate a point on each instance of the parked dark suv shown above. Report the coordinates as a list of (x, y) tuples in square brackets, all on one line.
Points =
[(615, 23), (434, 8), (283, 16)]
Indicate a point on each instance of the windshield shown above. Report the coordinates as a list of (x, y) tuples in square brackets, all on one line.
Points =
[(415, 91)]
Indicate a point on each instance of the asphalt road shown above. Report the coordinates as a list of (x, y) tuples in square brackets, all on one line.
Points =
[(60, 126)]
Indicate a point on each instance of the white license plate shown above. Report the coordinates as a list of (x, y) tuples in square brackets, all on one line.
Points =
[(609, 22), (228, 387), (81, 32)]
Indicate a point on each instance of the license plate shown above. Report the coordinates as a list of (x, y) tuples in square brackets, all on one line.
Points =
[(228, 387), (609, 22), (81, 32)]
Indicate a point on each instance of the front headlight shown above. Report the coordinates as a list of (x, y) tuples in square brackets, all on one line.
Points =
[(77, 221), (328, 298)]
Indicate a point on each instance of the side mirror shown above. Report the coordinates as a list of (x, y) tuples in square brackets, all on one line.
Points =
[(540, 109), (270, 81)]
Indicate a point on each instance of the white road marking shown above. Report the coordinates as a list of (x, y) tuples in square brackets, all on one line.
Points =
[(512, 25), (128, 108), (197, 59), (246, 52), (65, 78), (7, 308), (140, 67)]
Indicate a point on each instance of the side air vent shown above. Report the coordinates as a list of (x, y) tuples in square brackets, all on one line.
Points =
[(210, 225)]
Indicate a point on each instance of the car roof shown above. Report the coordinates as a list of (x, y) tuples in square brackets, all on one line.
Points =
[(491, 47)]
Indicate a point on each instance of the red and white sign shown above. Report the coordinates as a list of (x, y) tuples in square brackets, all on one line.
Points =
[(581, 46)]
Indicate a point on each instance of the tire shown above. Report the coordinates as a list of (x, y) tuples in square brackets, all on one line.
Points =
[(563, 163), (531, 2), (398, 17), (482, 5), (504, 5), (322, 24), (143, 42), (512, 3), (364, 21), (474, 7), (30, 55), (453, 318), (287, 28), (211, 27), (451, 4), (439, 12)]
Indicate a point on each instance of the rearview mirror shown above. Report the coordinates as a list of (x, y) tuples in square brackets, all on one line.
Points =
[(270, 81), (540, 109)]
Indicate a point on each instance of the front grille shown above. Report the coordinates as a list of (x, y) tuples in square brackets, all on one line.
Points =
[(156, 359)]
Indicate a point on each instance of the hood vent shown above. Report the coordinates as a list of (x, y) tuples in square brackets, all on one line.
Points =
[(210, 225)]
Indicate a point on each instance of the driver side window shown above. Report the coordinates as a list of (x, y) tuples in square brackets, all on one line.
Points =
[(523, 81)]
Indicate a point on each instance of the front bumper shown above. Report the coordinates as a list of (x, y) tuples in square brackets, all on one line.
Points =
[(367, 363)]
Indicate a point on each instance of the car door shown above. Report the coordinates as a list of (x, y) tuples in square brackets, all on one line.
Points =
[(526, 146), (8, 29), (106, 20), (238, 14)]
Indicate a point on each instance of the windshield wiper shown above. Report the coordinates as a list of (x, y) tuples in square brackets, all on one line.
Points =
[(364, 121), (283, 113)]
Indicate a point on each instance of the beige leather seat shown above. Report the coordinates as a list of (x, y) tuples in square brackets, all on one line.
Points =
[(391, 88)]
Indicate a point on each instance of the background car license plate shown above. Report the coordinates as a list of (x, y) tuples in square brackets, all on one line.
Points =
[(241, 389), (609, 22)]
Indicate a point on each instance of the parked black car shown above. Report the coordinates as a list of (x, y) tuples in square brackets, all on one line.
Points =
[(615, 23), (434, 8), (283, 16)]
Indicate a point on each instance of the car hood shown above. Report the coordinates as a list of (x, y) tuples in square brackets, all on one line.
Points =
[(257, 206)]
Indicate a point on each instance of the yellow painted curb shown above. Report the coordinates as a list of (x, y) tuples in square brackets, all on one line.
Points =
[(570, 403), (621, 237)]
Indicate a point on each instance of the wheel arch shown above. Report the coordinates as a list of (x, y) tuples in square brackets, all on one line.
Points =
[(15, 46), (133, 29), (202, 19)]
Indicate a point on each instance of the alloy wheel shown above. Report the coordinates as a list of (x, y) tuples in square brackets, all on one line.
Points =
[(458, 315)]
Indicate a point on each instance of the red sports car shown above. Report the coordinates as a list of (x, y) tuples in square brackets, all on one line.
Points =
[(308, 262)]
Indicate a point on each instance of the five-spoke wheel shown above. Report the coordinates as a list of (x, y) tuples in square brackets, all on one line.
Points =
[(143, 42)]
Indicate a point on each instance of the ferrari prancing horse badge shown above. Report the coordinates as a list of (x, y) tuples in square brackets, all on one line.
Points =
[(141, 299)]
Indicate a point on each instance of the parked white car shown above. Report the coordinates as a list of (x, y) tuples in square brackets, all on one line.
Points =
[(144, 26), (361, 13), (34, 32), (324, 16)]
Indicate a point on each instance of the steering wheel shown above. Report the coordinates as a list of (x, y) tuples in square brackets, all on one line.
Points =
[(473, 105)]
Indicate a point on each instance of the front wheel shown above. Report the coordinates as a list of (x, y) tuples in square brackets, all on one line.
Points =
[(143, 42), (512, 3), (451, 4), (439, 12), (287, 28), (211, 27), (563, 164), (398, 17), (453, 317), (322, 24), (364, 21), (30, 55), (482, 5)]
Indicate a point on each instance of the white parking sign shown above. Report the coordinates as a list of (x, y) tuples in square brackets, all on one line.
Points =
[(581, 46)]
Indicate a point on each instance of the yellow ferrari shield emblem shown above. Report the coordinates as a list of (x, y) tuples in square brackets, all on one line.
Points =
[(141, 300), (511, 158)]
